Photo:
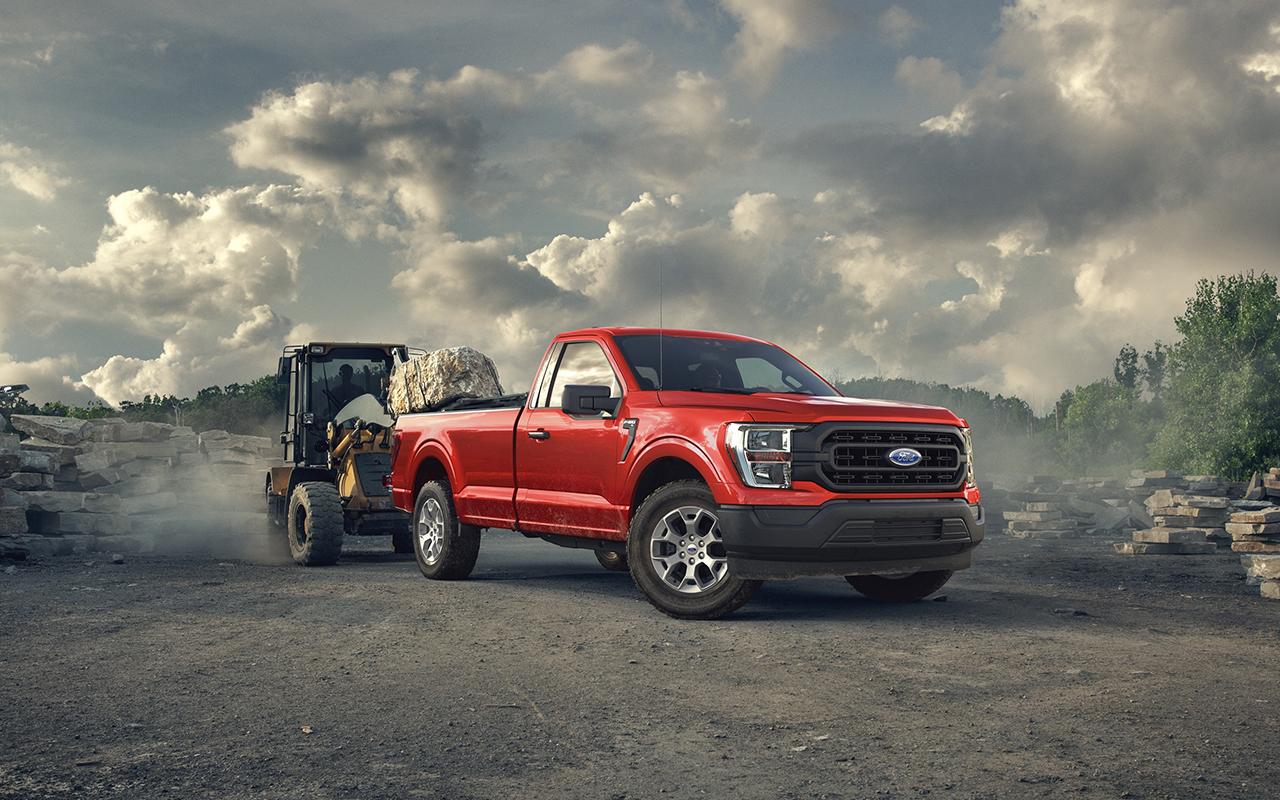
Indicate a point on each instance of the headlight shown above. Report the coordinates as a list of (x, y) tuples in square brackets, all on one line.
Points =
[(967, 434), (762, 454)]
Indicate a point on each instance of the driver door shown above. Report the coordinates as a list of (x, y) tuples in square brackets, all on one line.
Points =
[(567, 464)]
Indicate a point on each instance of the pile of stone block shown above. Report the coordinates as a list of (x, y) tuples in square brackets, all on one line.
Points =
[(1048, 508), (1255, 534), (429, 382), (70, 485), (1264, 571), (1254, 527), (1181, 524), (1043, 519), (1268, 487)]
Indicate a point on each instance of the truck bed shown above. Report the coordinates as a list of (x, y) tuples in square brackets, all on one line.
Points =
[(474, 438)]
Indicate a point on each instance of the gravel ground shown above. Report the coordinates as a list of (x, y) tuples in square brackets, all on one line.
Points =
[(1049, 670)]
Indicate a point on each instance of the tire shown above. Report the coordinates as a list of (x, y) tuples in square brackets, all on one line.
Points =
[(669, 513), (612, 560), (907, 589), (444, 548), (315, 524), (402, 540)]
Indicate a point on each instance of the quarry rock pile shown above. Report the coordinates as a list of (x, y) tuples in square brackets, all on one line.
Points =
[(1182, 524), (428, 382), (1255, 534), (74, 486), (1271, 485), (1046, 507)]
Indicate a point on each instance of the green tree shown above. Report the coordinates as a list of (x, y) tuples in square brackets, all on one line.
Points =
[(1154, 368), (1061, 408), (256, 407), (1222, 401), (1104, 429), (1126, 368)]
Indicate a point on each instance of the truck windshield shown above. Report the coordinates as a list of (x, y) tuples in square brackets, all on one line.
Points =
[(731, 366)]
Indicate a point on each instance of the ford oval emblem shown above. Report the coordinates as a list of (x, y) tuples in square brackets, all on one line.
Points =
[(905, 457)]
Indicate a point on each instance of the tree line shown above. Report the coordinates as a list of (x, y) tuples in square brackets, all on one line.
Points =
[(254, 408), (1208, 403)]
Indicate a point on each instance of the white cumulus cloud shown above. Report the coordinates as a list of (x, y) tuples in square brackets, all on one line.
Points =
[(23, 169), (770, 29)]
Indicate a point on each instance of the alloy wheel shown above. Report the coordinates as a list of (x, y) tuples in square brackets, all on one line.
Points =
[(687, 550)]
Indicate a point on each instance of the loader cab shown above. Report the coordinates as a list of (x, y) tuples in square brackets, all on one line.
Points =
[(324, 379)]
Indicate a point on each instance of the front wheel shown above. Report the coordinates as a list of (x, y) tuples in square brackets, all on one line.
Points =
[(446, 550), (315, 524), (677, 558), (899, 588)]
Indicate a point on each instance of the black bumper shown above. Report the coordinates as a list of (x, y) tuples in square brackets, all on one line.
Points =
[(850, 537)]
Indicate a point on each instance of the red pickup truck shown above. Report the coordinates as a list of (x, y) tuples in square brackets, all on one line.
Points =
[(702, 462)]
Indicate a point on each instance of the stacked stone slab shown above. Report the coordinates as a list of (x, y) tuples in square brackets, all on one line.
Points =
[(1254, 527), (1263, 569), (1045, 519), (1271, 485), (1182, 524), (73, 485), (1048, 508)]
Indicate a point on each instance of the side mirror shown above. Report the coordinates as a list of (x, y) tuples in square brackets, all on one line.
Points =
[(282, 371), (588, 400)]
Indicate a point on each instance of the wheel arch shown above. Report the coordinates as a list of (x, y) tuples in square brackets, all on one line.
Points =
[(665, 461), (430, 464), (283, 479)]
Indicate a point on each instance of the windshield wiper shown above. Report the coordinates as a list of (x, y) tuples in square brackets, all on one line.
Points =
[(715, 390)]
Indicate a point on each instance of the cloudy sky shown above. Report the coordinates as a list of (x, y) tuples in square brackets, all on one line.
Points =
[(985, 193)]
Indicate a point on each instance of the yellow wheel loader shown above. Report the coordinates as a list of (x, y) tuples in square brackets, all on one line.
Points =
[(337, 449)]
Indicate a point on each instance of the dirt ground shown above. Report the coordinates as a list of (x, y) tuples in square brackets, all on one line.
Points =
[(545, 676)]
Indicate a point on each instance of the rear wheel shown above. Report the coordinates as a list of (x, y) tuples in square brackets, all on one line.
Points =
[(612, 560), (676, 554), (315, 524), (446, 550), (899, 588)]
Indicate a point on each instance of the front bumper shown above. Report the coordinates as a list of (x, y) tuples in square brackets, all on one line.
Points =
[(851, 537)]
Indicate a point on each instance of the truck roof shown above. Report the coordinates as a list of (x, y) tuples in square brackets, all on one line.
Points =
[(625, 330)]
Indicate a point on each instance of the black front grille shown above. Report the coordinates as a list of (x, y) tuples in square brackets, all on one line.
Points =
[(857, 459)]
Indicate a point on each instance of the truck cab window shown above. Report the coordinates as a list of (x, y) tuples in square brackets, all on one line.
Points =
[(582, 364), (343, 374)]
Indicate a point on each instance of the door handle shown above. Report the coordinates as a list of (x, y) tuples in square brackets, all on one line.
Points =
[(539, 434)]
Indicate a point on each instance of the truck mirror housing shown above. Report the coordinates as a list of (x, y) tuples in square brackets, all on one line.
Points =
[(588, 400), (282, 371)]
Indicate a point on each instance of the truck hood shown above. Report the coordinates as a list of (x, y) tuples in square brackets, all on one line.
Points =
[(802, 408)]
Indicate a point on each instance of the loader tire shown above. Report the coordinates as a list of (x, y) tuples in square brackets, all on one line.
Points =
[(315, 524)]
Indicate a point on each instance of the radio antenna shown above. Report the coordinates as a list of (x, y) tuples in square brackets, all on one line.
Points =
[(661, 367)]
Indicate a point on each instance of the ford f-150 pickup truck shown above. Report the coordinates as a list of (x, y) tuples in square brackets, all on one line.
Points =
[(702, 462)]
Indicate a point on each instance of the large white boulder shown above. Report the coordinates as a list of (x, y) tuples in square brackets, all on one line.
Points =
[(427, 382)]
